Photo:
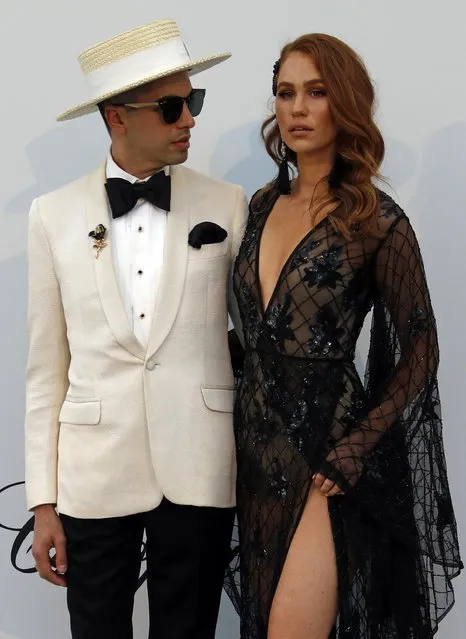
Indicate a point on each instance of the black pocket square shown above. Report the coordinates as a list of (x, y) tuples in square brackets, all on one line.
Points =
[(206, 233)]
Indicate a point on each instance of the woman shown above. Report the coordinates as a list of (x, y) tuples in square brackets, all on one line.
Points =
[(346, 526)]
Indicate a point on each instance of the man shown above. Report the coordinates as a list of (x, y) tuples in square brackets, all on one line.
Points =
[(129, 381)]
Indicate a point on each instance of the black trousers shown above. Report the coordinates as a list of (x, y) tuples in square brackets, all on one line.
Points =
[(187, 549)]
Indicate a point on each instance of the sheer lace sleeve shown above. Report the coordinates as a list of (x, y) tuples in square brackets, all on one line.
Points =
[(403, 358)]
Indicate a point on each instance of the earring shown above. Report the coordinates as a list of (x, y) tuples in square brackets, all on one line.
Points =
[(337, 173), (283, 178)]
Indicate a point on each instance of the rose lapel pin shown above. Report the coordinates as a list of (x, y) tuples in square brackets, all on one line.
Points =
[(98, 235)]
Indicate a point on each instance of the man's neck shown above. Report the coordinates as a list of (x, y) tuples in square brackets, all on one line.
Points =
[(134, 166)]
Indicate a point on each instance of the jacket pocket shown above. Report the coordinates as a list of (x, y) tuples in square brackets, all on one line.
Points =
[(80, 412), (208, 251), (219, 399)]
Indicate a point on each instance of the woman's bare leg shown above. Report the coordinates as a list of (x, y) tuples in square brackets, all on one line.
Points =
[(305, 602)]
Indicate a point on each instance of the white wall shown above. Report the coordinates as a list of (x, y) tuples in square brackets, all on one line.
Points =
[(414, 50)]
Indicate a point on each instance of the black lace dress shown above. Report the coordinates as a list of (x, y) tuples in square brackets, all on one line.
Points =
[(301, 407)]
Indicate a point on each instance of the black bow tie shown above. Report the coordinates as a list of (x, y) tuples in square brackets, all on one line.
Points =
[(123, 195)]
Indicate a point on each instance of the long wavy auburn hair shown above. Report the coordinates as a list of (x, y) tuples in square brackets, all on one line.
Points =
[(359, 144)]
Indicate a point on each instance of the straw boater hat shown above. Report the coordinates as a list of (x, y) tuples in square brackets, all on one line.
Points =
[(134, 58)]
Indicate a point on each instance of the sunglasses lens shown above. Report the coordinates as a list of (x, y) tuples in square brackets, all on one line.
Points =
[(195, 101), (171, 108)]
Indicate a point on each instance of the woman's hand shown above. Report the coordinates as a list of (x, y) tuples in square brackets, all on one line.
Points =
[(326, 486)]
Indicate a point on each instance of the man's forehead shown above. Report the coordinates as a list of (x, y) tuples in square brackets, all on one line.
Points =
[(178, 80)]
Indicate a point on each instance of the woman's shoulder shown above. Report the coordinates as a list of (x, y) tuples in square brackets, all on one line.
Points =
[(390, 212), (263, 198)]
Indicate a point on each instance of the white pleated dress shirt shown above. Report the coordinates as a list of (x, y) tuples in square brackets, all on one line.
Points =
[(138, 240)]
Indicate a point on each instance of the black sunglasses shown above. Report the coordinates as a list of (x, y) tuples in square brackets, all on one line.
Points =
[(171, 106)]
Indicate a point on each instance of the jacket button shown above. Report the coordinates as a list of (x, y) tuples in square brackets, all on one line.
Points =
[(150, 365)]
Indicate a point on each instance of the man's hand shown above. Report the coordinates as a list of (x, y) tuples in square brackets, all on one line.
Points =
[(48, 534)]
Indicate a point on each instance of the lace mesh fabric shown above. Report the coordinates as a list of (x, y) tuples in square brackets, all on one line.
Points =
[(301, 407)]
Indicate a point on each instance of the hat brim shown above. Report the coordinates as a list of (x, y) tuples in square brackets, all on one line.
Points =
[(192, 68)]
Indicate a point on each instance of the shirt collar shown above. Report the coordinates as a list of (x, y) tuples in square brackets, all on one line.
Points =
[(114, 171)]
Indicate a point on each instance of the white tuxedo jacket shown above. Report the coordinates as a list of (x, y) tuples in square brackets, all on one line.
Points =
[(111, 427)]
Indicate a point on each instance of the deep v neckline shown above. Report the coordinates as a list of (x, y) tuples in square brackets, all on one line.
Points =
[(264, 308)]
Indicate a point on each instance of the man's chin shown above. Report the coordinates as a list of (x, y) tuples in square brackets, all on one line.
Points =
[(178, 158)]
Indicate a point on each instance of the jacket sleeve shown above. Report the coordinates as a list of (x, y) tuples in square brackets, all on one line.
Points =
[(47, 366)]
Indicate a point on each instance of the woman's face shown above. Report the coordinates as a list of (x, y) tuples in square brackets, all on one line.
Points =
[(302, 107)]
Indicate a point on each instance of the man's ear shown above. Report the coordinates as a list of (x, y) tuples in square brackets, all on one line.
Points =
[(114, 117)]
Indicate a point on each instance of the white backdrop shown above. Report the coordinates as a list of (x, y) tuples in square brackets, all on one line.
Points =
[(415, 52)]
